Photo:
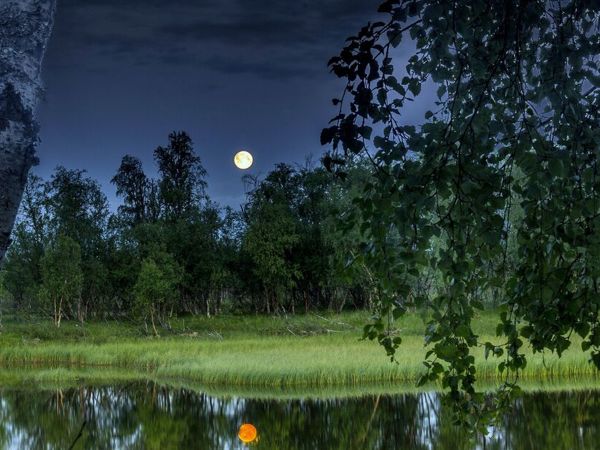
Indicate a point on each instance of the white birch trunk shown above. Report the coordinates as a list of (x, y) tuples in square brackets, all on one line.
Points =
[(25, 26)]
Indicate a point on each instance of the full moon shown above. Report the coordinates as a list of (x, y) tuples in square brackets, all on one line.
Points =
[(243, 160)]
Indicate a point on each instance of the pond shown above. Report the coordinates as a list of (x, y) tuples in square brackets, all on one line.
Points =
[(145, 415)]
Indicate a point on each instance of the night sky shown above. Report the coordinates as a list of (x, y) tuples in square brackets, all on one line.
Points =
[(121, 74)]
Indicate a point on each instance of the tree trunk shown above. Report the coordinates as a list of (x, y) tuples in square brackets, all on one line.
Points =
[(153, 324), (80, 311), (58, 312), (25, 27), (268, 297)]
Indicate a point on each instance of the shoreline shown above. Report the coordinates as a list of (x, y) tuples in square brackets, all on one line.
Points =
[(64, 378)]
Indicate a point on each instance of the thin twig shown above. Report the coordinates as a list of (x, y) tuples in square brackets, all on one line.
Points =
[(78, 435)]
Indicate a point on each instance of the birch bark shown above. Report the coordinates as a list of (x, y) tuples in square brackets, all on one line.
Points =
[(25, 27)]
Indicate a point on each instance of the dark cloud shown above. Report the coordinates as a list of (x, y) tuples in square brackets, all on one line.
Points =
[(267, 69), (272, 35)]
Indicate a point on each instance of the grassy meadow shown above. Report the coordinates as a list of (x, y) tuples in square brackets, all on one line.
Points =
[(295, 352)]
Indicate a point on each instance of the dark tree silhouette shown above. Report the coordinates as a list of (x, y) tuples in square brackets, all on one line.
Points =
[(133, 186)]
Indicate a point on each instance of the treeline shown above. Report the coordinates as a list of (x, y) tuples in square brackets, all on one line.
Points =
[(169, 249)]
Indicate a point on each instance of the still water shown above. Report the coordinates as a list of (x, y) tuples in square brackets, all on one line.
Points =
[(149, 416)]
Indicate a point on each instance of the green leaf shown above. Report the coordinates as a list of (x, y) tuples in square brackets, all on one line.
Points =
[(394, 38), (441, 91), (415, 87), (556, 168)]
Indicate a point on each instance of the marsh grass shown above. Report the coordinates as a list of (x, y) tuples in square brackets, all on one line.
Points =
[(258, 352), (62, 378)]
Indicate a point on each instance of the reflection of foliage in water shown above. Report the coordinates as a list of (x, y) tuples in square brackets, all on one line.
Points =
[(148, 416)]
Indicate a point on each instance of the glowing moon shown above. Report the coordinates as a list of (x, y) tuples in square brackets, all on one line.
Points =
[(243, 160), (247, 433)]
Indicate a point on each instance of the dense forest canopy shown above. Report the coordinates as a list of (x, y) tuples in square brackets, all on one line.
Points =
[(169, 249)]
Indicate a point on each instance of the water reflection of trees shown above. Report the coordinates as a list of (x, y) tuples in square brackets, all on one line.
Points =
[(149, 416)]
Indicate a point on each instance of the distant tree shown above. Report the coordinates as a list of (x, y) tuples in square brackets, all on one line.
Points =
[(153, 209), (22, 269), (225, 277), (316, 281), (156, 289), (515, 125), (269, 241), (62, 278), (181, 185), (133, 186), (271, 235), (78, 208), (293, 240), (194, 244), (23, 262)]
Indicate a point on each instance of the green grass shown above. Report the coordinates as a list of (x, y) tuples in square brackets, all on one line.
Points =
[(61, 378), (258, 352)]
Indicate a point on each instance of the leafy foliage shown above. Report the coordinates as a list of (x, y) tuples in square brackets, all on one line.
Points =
[(135, 189), (155, 289), (293, 242), (62, 277), (514, 131), (182, 182), (282, 252)]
